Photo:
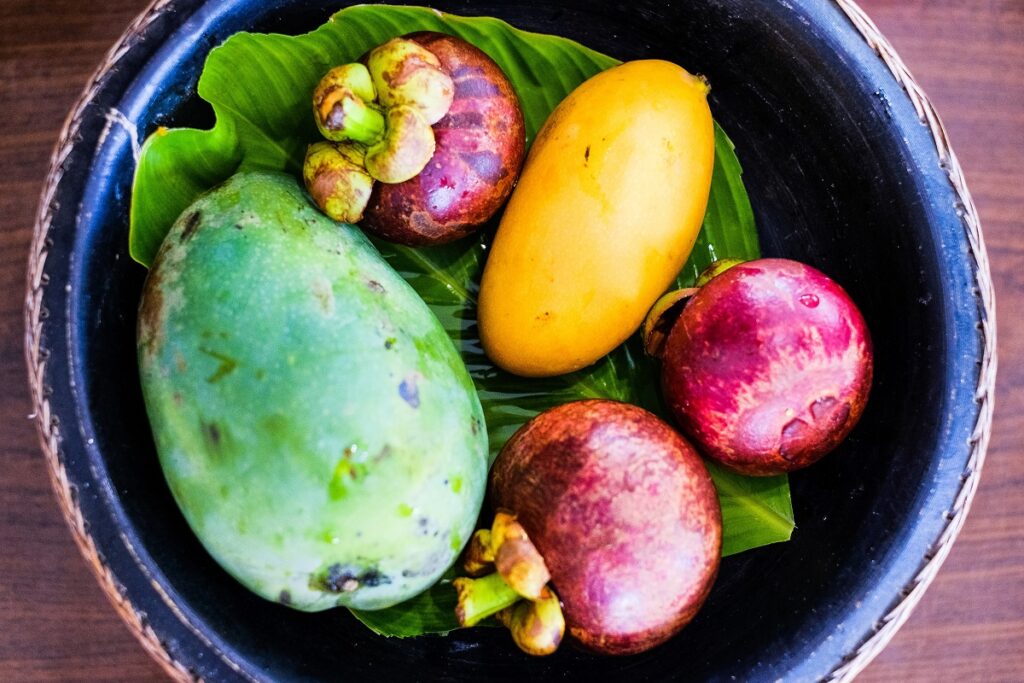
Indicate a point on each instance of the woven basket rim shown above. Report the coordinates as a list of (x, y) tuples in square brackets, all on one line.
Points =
[(885, 628), (47, 426)]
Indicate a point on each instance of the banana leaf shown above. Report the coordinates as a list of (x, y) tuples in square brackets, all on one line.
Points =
[(259, 86)]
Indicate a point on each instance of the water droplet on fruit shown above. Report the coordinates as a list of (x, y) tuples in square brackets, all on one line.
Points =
[(809, 300)]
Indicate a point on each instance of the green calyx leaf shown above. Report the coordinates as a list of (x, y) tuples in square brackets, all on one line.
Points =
[(259, 87)]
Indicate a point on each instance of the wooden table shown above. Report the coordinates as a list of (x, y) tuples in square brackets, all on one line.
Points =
[(56, 625)]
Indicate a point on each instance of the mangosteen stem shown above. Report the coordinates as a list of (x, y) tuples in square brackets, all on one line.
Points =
[(666, 310), (342, 109), (662, 317), (506, 548), (349, 118), (717, 268), (536, 623), (483, 597)]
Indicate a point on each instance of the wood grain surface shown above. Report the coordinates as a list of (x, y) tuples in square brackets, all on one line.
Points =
[(55, 623)]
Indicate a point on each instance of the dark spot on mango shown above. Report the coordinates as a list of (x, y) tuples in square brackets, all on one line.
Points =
[(586, 155), (285, 598), (226, 367), (372, 577), (191, 223), (336, 579), (389, 343), (408, 390), (212, 433), (375, 286), (340, 578)]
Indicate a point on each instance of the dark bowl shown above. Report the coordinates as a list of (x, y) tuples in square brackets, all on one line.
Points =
[(846, 171)]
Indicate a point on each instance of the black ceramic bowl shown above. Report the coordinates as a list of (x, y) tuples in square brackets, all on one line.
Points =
[(844, 173)]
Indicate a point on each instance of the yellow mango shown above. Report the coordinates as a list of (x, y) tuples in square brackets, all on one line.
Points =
[(606, 212)]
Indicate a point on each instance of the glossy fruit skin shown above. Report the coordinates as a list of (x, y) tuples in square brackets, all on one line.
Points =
[(480, 147), (769, 366), (625, 515), (605, 214), (314, 422)]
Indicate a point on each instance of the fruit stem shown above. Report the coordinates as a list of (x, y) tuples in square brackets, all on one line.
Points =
[(507, 548), (666, 310), (536, 623), (349, 118), (341, 106), (483, 597), (662, 317), (716, 268)]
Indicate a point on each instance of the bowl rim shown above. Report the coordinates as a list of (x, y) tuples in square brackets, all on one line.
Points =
[(49, 428)]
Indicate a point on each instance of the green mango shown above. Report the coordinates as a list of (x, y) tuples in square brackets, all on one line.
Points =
[(314, 422)]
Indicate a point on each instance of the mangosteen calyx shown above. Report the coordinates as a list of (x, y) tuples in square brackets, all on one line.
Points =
[(515, 591), (662, 317)]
